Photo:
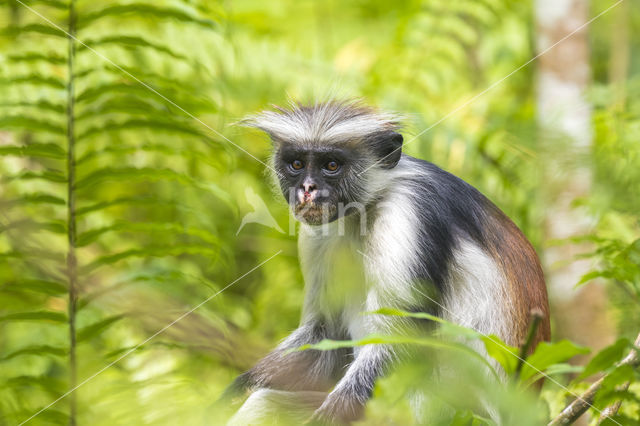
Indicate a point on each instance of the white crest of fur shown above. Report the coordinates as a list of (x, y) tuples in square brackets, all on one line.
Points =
[(323, 123)]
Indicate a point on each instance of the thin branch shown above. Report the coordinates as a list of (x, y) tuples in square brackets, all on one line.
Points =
[(536, 316), (72, 262), (578, 407)]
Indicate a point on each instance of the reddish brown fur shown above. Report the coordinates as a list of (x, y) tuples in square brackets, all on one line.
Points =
[(526, 286)]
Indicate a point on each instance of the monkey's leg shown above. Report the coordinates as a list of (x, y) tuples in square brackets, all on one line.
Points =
[(287, 370), (347, 400), (269, 406)]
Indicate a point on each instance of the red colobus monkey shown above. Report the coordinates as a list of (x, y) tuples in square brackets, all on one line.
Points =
[(414, 229)]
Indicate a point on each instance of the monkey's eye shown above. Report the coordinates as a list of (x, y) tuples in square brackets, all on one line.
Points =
[(332, 166), (297, 164)]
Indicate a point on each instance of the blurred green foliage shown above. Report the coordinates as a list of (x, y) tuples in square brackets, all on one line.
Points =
[(160, 188)]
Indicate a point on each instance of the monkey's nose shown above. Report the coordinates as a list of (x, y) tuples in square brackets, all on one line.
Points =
[(309, 186)]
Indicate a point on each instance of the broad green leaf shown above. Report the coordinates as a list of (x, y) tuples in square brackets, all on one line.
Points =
[(606, 358), (547, 354), (561, 368), (435, 343), (507, 356), (446, 327), (35, 316), (49, 150), (610, 391), (35, 350), (96, 328), (51, 288), (144, 10)]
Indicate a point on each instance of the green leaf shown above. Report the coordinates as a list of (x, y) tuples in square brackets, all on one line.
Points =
[(40, 104), (55, 226), (51, 288), (24, 122), (446, 327), (30, 57), (154, 124), (48, 175), (139, 201), (51, 385), (49, 150), (35, 316), (507, 356), (153, 251), (36, 198), (187, 153), (610, 391), (110, 174), (124, 105), (555, 369), (41, 29), (143, 10), (96, 328), (435, 343), (547, 354), (35, 79), (606, 358), (149, 227), (130, 41), (35, 350)]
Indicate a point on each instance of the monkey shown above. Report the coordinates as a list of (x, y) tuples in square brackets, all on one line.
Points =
[(413, 230)]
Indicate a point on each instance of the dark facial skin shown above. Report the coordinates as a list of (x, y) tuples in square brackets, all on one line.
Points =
[(315, 180)]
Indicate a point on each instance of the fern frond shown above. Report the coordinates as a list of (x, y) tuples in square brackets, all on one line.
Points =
[(146, 10)]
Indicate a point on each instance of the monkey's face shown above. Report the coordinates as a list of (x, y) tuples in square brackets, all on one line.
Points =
[(319, 183)]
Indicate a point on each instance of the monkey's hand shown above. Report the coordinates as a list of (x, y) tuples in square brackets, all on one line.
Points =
[(339, 408)]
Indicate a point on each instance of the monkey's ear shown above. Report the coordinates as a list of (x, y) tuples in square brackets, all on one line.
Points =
[(388, 148)]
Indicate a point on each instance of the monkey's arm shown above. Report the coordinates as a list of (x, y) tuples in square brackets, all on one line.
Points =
[(285, 370), (347, 400)]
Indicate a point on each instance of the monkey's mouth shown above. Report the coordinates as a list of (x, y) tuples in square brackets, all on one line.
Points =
[(313, 213)]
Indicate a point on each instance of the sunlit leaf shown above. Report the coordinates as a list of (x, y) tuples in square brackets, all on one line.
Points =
[(29, 57), (35, 350), (148, 227), (606, 358), (49, 150), (96, 328), (42, 29), (153, 251), (130, 41), (23, 122), (35, 79), (507, 356), (547, 354), (146, 10)]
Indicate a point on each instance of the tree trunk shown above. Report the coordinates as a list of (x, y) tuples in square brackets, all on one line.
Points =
[(564, 120)]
